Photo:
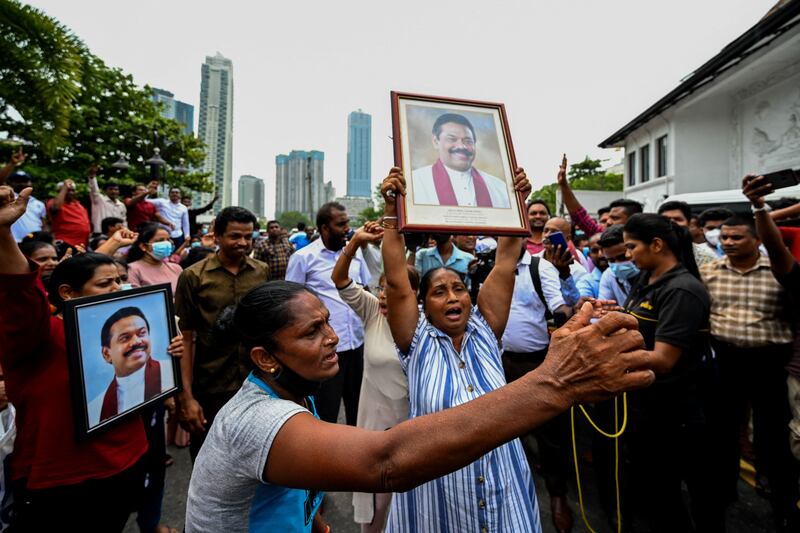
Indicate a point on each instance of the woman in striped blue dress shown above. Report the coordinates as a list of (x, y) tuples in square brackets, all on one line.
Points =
[(451, 355)]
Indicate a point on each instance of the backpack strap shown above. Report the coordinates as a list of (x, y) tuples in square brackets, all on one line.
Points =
[(537, 285)]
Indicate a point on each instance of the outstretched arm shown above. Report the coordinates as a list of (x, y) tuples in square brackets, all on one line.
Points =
[(780, 258), (400, 297), (494, 298), (584, 363)]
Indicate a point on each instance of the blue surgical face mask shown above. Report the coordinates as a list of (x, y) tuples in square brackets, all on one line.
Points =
[(256, 234), (586, 251), (624, 270), (125, 287), (162, 250), (196, 244)]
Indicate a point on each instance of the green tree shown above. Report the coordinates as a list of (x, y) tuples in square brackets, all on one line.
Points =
[(290, 219), (40, 70), (107, 115), (583, 176)]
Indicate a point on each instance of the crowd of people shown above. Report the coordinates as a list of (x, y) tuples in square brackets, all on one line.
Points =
[(455, 361)]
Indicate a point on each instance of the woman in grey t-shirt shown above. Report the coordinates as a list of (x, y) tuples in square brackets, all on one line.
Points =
[(267, 457)]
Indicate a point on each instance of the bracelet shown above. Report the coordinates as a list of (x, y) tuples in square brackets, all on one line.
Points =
[(344, 252), (388, 218), (386, 226)]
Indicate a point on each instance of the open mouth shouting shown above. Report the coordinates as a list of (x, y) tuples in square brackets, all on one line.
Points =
[(331, 358), (454, 313)]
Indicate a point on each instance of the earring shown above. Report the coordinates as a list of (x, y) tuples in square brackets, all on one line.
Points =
[(272, 370)]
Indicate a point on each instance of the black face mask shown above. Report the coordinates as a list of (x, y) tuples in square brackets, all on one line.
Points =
[(293, 382)]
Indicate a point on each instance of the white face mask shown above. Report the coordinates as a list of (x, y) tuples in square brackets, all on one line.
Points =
[(712, 236)]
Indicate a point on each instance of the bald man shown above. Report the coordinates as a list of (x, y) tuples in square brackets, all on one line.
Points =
[(580, 266)]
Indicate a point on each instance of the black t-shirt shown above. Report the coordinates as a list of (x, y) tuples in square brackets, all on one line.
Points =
[(675, 310), (791, 282)]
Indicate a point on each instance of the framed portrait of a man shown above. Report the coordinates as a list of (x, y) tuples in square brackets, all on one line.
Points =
[(117, 346), (458, 161)]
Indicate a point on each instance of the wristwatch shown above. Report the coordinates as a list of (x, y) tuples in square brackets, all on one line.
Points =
[(765, 208)]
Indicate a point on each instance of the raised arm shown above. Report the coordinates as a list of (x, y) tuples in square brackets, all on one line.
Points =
[(12, 261), (494, 298), (209, 205), (152, 187), (400, 297), (780, 258), (371, 232), (576, 210), (94, 189), (584, 363), (16, 159), (58, 201)]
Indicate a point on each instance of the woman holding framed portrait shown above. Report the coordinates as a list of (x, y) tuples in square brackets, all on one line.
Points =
[(451, 354), (59, 480)]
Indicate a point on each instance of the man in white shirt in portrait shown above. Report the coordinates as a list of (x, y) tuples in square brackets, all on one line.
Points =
[(138, 377), (452, 180)]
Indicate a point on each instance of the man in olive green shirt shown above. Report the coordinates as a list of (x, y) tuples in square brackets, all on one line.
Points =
[(212, 374)]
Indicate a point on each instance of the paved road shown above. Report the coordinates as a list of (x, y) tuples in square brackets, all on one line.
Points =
[(749, 515)]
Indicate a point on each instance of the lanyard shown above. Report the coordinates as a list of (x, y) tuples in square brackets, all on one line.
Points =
[(271, 393)]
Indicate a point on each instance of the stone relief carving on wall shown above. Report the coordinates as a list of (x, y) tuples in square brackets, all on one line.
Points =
[(769, 122)]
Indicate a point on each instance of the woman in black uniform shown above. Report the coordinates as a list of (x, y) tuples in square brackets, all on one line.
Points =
[(666, 441)]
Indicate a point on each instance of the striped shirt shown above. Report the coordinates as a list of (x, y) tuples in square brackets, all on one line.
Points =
[(748, 309), (496, 492)]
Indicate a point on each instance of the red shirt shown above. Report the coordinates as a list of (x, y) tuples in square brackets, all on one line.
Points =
[(139, 213), (71, 223), (34, 357)]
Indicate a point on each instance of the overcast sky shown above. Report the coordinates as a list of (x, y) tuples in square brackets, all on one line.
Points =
[(569, 72)]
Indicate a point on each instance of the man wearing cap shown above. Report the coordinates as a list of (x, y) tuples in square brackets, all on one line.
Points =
[(452, 180), (69, 218), (106, 205), (35, 216)]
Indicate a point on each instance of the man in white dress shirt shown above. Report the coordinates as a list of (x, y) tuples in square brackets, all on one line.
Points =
[(525, 344), (312, 266), (452, 180), (176, 213), (126, 345)]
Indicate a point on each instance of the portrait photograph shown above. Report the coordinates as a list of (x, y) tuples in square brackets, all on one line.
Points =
[(117, 347), (458, 161)]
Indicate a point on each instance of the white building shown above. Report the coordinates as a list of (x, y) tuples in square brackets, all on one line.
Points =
[(215, 126), (355, 205), (738, 113)]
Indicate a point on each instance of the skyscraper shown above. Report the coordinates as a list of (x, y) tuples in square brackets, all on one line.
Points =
[(359, 154), (300, 184), (251, 194), (175, 109), (215, 127)]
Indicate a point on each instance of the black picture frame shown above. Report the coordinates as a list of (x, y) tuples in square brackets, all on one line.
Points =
[(83, 333)]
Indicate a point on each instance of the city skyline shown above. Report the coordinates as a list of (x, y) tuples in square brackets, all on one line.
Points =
[(251, 194), (215, 126), (175, 109), (561, 94), (300, 183), (359, 154)]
